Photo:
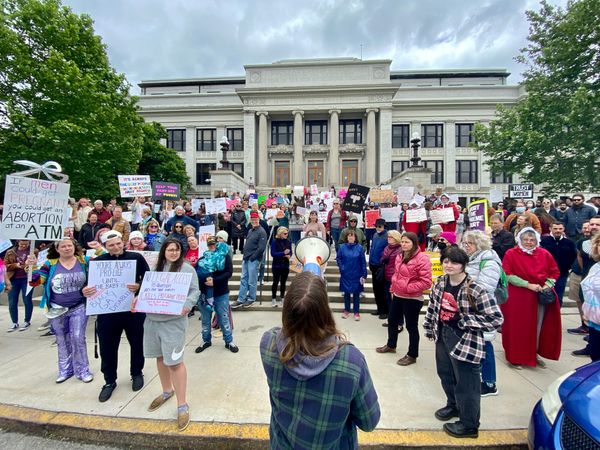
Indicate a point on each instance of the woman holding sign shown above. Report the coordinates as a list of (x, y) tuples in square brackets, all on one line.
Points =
[(164, 335)]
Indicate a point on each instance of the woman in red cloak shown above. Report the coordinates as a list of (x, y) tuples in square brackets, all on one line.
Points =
[(446, 203), (530, 330), (419, 228)]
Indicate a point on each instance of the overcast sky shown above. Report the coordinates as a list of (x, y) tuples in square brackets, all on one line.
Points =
[(165, 39)]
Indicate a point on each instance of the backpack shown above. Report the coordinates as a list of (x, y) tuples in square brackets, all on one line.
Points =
[(501, 291)]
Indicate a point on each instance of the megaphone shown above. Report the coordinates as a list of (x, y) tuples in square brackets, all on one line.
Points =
[(312, 252)]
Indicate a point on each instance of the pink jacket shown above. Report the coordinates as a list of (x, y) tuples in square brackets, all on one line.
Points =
[(412, 278)]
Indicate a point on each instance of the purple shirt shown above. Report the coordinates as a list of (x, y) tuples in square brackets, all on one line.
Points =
[(21, 258), (66, 285)]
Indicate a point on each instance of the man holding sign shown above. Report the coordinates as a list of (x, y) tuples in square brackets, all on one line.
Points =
[(110, 327)]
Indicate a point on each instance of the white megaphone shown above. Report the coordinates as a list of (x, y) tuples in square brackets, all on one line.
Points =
[(312, 252)]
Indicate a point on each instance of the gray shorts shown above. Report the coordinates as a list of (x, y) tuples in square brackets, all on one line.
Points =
[(166, 339)]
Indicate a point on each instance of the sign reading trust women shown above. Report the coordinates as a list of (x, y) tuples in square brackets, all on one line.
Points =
[(34, 209)]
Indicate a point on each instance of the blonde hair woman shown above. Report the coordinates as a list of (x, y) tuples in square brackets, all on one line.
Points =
[(281, 251)]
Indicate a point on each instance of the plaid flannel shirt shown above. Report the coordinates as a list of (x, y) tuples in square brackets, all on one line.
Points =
[(478, 313), (321, 412)]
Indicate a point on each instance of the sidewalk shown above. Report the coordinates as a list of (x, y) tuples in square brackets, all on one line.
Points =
[(226, 388)]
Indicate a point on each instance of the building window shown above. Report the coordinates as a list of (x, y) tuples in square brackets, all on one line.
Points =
[(316, 132), (315, 173), (400, 136), (202, 172), (349, 171), (176, 140), (500, 177), (237, 168), (351, 131), (282, 133), (437, 170), (235, 136), (205, 140), (466, 171), (432, 135), (282, 173), (463, 134), (399, 166)]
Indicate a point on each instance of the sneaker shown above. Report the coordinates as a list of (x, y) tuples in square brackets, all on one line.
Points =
[(137, 382), (580, 330), (13, 327), (274, 303), (25, 326), (63, 378), (374, 313), (248, 304), (357, 317), (232, 347), (582, 352), (540, 362), (47, 333), (86, 378), (586, 338), (202, 347), (487, 390), (237, 305), (44, 326), (345, 315), (106, 392)]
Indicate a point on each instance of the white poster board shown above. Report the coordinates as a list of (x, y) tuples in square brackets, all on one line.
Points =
[(270, 213), (416, 215), (34, 209), (298, 191), (163, 293), (110, 279), (150, 257), (323, 216), (496, 195), (215, 205), (300, 210), (314, 189), (127, 215), (135, 186), (5, 244), (418, 199), (390, 214), (405, 194), (196, 203), (203, 234), (42, 257), (442, 215)]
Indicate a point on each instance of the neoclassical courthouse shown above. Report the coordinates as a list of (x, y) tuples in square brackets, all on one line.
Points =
[(332, 122)]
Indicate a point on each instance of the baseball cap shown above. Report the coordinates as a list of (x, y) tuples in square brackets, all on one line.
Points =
[(112, 234), (212, 240)]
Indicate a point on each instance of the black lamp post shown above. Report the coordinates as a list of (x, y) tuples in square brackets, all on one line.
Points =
[(224, 148), (415, 141)]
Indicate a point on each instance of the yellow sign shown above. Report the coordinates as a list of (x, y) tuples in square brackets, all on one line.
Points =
[(436, 266)]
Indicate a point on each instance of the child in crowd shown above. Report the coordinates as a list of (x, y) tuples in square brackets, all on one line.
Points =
[(212, 260), (136, 241)]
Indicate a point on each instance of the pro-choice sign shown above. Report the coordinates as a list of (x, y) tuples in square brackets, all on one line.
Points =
[(34, 209), (520, 190)]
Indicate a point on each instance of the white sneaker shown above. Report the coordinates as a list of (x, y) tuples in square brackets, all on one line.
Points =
[(274, 303), (13, 327), (44, 326), (25, 326)]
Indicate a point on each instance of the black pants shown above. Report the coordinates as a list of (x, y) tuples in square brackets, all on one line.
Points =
[(279, 277), (410, 308), (234, 242), (379, 291), (594, 344), (461, 380), (110, 329)]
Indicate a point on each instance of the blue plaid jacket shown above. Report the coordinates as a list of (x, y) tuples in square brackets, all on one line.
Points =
[(321, 412)]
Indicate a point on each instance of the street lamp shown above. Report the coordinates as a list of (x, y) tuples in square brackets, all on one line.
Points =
[(415, 141), (224, 143)]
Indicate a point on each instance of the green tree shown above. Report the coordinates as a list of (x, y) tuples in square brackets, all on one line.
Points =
[(552, 135), (161, 163), (62, 100)]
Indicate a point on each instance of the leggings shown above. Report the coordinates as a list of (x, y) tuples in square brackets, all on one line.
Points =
[(279, 276)]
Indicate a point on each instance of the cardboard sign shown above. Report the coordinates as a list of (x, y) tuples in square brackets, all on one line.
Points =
[(161, 190), (135, 186), (381, 195), (355, 198), (111, 279), (370, 217), (478, 218), (391, 214), (150, 257), (34, 209), (405, 194), (416, 215), (520, 190), (215, 205), (163, 293), (442, 215)]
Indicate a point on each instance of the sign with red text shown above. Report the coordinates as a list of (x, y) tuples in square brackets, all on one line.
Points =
[(163, 293), (135, 186)]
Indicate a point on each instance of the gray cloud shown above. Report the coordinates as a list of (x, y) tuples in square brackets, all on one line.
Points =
[(157, 39)]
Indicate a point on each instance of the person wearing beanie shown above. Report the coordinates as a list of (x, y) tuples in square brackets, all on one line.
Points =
[(445, 202), (136, 241), (446, 240), (433, 237)]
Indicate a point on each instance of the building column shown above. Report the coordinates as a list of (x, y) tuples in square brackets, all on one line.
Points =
[(449, 155), (298, 169), (249, 145), (190, 153), (385, 144), (371, 155), (334, 147), (262, 156)]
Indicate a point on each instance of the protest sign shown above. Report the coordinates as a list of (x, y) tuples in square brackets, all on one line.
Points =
[(231, 203), (156, 208), (270, 213), (215, 205), (381, 195), (355, 198), (405, 194), (298, 191), (134, 186), (161, 190), (252, 199), (496, 195), (110, 279), (416, 215), (34, 209), (342, 193), (300, 210), (42, 257), (520, 190), (322, 216), (314, 189), (371, 216), (197, 204), (391, 214), (150, 257), (163, 293), (204, 233), (267, 201), (478, 218), (418, 199), (286, 190), (5, 244), (436, 265), (442, 215), (127, 215)]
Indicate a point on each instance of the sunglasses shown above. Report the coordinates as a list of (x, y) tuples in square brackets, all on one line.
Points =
[(156, 226)]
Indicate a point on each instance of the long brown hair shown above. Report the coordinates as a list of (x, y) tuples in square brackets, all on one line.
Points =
[(162, 259), (308, 322), (407, 256), (53, 249)]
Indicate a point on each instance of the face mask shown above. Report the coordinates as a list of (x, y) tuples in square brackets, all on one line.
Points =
[(520, 209), (442, 245)]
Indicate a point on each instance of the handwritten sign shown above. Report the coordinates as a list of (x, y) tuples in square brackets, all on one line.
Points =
[(381, 195), (135, 186), (163, 292), (391, 214), (442, 215), (150, 257), (314, 189), (161, 190), (34, 209), (416, 215), (111, 279), (42, 257), (196, 204), (405, 194), (215, 205), (204, 233), (370, 217)]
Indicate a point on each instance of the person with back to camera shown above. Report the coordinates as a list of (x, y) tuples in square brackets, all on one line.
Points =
[(320, 388)]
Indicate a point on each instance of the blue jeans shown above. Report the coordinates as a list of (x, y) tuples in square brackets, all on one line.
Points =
[(356, 302), (560, 286), (221, 305), (335, 237), (263, 263), (295, 236), (488, 365), (19, 285), (248, 281)]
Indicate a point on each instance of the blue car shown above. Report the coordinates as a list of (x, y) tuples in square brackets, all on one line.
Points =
[(568, 415)]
